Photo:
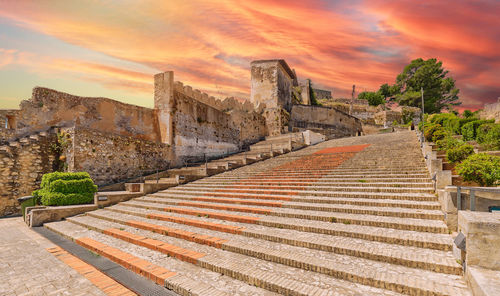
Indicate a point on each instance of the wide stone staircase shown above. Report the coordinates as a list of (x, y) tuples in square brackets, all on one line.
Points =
[(352, 216)]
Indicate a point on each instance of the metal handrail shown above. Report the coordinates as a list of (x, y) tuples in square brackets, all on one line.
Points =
[(472, 195)]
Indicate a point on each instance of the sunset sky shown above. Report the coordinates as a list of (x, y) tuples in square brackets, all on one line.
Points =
[(112, 48)]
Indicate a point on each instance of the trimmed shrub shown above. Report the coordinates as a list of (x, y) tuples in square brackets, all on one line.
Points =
[(469, 130), (66, 189), (460, 153), (464, 121), (442, 118), (448, 143), (48, 178), (488, 135), (430, 129), (439, 135), (481, 168), (72, 186)]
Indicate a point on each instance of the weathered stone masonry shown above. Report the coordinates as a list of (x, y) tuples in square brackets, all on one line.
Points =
[(114, 141), (22, 165)]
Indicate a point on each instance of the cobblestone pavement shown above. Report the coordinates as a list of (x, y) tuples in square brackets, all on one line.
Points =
[(27, 268)]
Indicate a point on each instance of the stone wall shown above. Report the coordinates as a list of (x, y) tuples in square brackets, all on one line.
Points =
[(277, 121), (251, 125), (491, 111), (22, 165), (322, 94), (328, 121), (112, 158), (349, 101), (48, 107)]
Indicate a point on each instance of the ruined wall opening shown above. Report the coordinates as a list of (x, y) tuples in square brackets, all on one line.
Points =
[(10, 122)]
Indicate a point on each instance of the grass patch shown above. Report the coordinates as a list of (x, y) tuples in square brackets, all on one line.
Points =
[(333, 220), (347, 222), (362, 181)]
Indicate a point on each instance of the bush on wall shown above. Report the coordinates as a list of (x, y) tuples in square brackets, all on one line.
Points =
[(488, 135), (59, 189), (481, 168), (430, 129), (459, 153), (469, 130)]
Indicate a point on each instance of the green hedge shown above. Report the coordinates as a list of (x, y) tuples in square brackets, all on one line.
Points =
[(460, 153), (48, 178), (442, 118), (430, 129), (469, 130), (72, 186), (60, 199), (481, 168), (66, 189), (488, 135), (448, 143)]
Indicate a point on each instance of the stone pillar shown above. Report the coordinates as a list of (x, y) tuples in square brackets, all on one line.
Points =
[(164, 104), (306, 91), (443, 178)]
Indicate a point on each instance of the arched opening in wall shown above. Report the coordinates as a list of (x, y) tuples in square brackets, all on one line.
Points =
[(359, 133), (10, 122)]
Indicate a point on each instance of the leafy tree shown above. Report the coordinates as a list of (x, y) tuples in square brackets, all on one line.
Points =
[(373, 98), (467, 114), (385, 90), (439, 88)]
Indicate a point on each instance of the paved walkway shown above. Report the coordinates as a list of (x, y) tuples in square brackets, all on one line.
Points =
[(27, 268)]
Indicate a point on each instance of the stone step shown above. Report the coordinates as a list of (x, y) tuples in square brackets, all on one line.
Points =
[(405, 212), (251, 213), (188, 279), (427, 259), (216, 269), (393, 236), (266, 206), (308, 185), (302, 181), (214, 253), (329, 176), (374, 195), (315, 168), (428, 205), (361, 187)]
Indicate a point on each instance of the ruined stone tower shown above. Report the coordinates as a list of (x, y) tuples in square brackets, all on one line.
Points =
[(272, 82)]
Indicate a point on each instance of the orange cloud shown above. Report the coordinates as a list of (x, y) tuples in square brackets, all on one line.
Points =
[(209, 44)]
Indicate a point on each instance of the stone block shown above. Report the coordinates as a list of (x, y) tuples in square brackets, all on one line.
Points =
[(443, 179), (482, 232), (482, 281), (37, 216)]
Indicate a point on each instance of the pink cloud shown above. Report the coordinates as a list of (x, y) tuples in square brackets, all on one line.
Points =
[(209, 44)]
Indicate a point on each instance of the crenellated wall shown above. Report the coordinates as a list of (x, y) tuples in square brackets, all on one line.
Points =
[(196, 124)]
